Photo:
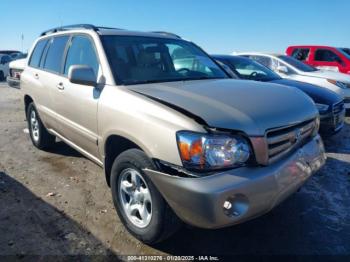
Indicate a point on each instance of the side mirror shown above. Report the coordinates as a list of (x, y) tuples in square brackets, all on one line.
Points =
[(338, 60), (82, 75), (282, 69)]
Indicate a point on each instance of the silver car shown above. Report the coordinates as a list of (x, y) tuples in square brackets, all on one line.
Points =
[(178, 140)]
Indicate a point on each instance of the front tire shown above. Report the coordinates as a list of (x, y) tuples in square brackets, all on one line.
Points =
[(40, 137), (140, 206)]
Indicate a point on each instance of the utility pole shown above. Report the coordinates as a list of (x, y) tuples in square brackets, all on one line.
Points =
[(22, 38)]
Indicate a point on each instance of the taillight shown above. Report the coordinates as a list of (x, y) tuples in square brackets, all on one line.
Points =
[(17, 75)]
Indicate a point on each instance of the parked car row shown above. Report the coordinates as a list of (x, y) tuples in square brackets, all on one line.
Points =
[(330, 105), (181, 136), (291, 68)]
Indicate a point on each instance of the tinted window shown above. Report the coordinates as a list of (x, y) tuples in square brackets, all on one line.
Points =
[(37, 53), (345, 52), (246, 68), (5, 59), (326, 55), (81, 52), (53, 61), (297, 64), (136, 59), (301, 53)]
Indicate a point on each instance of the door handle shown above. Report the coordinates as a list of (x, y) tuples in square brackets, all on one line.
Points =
[(60, 86), (36, 76)]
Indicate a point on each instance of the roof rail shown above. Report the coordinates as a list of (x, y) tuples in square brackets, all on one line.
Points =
[(76, 26), (166, 33)]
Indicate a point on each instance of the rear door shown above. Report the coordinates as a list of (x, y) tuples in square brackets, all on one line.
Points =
[(35, 80), (48, 74), (75, 104), (327, 59)]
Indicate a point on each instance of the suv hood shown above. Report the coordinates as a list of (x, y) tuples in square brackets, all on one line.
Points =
[(329, 75), (318, 94), (248, 106)]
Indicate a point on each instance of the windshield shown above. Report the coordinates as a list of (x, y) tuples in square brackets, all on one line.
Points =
[(345, 52), (136, 60), (297, 64), (246, 68)]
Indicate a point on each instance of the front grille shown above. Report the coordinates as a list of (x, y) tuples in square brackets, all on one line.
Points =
[(282, 140), (338, 114)]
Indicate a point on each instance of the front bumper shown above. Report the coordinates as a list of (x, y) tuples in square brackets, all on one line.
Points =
[(13, 82), (331, 123), (347, 103), (237, 195)]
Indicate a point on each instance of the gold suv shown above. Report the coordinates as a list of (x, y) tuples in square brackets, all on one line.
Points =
[(177, 138)]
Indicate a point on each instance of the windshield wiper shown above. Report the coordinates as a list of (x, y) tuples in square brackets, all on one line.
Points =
[(202, 78), (139, 82)]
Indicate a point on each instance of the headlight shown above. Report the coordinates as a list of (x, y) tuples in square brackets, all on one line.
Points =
[(322, 108), (206, 151), (338, 83)]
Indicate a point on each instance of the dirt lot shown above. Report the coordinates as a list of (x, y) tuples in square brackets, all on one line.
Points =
[(57, 203)]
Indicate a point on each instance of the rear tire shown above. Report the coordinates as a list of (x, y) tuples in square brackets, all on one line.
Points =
[(40, 137), (160, 221), (2, 77)]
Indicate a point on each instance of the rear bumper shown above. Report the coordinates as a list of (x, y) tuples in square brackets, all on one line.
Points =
[(240, 194), (13, 82)]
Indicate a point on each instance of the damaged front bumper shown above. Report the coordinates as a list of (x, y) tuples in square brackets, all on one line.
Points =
[(237, 195)]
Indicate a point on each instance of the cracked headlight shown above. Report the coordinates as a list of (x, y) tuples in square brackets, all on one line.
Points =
[(212, 151), (322, 108)]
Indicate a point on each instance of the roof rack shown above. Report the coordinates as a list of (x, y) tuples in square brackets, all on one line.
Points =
[(166, 33), (76, 26)]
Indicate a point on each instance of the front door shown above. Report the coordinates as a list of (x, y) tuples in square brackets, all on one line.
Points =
[(75, 104), (326, 59)]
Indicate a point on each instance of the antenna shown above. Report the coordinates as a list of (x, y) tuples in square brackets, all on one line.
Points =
[(22, 39)]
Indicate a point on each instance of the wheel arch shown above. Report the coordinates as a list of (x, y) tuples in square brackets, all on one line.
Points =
[(115, 145), (27, 100)]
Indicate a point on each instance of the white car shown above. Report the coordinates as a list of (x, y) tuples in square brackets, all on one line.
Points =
[(289, 67), (4, 66), (16, 68)]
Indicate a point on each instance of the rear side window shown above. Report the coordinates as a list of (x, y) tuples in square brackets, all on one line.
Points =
[(5, 59), (301, 53), (266, 61), (54, 57), (81, 52), (37, 53), (326, 55)]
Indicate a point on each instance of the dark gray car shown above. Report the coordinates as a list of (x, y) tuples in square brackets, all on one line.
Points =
[(329, 104)]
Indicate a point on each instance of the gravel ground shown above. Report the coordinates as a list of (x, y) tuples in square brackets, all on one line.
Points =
[(57, 203)]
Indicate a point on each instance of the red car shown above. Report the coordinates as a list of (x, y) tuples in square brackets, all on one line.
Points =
[(322, 57)]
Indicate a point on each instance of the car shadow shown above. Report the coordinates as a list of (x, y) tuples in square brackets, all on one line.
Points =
[(313, 221), (61, 148), (31, 226)]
